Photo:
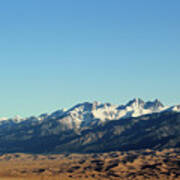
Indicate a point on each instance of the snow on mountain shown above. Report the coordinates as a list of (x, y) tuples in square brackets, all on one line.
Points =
[(3, 118), (57, 113), (94, 113), (89, 114), (174, 108)]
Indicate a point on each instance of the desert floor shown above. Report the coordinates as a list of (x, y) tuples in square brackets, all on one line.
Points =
[(134, 165)]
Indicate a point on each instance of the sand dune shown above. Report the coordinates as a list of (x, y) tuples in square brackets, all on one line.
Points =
[(146, 164)]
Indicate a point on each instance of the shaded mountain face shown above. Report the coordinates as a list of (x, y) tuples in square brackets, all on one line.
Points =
[(94, 127), (154, 105), (157, 131)]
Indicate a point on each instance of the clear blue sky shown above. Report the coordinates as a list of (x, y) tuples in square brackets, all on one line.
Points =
[(55, 54)]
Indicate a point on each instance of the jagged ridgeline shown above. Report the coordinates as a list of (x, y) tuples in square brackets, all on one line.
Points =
[(94, 127)]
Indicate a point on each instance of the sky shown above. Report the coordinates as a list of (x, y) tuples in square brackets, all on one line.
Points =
[(55, 54)]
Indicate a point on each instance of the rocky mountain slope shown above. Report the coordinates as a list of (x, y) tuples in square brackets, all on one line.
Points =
[(94, 127)]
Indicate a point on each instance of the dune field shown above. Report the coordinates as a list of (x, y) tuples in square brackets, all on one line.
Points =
[(146, 164)]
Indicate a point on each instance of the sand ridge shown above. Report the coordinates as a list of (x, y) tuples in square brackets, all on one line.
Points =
[(146, 164)]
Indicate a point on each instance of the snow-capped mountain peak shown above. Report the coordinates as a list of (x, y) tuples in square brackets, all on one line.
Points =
[(3, 118), (156, 104), (176, 108), (136, 102), (88, 113), (93, 113)]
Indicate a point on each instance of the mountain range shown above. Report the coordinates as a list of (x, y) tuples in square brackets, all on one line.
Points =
[(94, 127)]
